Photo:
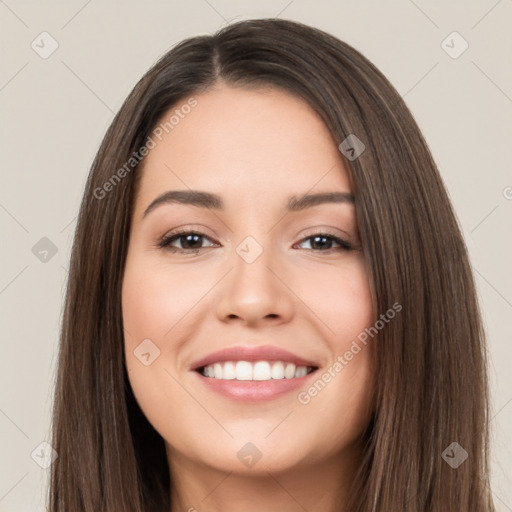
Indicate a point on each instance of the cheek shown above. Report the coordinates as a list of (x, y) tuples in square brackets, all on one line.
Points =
[(340, 299), (156, 299), (341, 302)]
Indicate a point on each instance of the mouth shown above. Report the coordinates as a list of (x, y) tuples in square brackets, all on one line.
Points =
[(250, 383), (253, 373), (255, 370)]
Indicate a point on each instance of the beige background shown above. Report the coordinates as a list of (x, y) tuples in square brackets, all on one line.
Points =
[(55, 111)]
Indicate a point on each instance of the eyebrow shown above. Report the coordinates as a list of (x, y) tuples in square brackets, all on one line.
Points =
[(215, 202)]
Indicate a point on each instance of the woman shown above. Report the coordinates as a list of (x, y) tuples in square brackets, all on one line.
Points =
[(270, 304)]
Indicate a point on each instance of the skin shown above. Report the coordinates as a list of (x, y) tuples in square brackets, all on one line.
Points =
[(254, 148)]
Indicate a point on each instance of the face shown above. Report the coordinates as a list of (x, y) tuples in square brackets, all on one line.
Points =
[(274, 280)]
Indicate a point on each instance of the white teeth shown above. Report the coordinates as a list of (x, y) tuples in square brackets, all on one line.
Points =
[(301, 371), (278, 370), (229, 372), (260, 370), (289, 371), (243, 370), (217, 371)]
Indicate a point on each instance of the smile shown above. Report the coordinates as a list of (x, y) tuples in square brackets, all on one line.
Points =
[(255, 371)]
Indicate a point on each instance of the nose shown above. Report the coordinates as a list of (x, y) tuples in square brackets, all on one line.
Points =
[(256, 293)]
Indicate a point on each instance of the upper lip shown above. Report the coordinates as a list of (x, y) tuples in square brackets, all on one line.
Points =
[(259, 353)]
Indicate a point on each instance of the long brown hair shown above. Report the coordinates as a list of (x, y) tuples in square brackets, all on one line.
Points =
[(431, 379)]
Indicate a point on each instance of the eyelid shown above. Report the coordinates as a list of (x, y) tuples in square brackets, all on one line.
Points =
[(321, 229), (198, 229)]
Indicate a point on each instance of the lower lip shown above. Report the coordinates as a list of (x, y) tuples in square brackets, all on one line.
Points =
[(254, 390)]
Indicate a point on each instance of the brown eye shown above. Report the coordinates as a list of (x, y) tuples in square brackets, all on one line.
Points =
[(323, 242), (189, 241)]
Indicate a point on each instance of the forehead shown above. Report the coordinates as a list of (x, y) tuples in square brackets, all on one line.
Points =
[(244, 143)]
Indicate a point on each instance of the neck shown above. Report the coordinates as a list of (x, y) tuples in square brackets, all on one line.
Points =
[(323, 486)]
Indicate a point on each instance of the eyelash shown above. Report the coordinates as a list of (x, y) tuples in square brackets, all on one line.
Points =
[(166, 240)]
